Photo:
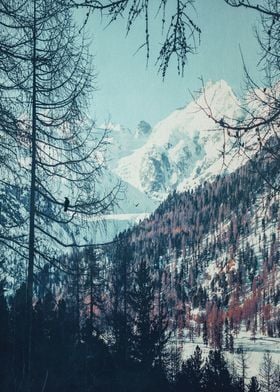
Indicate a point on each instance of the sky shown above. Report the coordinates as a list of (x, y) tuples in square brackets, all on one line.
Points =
[(128, 91)]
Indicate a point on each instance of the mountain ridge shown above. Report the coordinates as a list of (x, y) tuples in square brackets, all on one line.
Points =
[(184, 149)]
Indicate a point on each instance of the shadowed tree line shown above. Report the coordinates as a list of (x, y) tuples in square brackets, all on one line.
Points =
[(67, 357)]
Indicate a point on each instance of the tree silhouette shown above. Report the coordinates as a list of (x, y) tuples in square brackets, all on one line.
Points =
[(255, 133), (254, 385), (49, 76)]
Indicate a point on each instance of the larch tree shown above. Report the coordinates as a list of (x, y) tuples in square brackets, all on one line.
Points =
[(11, 138), (242, 364), (266, 373), (255, 133), (47, 77), (181, 33)]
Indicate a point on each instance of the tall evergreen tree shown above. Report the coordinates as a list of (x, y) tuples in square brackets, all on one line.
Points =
[(120, 319), (254, 385), (148, 339), (190, 377), (243, 365), (216, 376)]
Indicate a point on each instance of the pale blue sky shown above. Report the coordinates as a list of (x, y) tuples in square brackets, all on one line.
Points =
[(129, 92)]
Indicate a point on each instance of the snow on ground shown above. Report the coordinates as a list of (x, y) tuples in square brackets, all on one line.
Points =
[(255, 350)]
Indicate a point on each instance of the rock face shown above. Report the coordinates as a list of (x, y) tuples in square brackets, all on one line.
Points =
[(181, 151), (144, 128)]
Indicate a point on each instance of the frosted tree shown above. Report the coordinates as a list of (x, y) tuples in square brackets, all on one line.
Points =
[(276, 378)]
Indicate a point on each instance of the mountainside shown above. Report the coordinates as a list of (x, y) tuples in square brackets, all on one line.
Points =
[(206, 260), (215, 250), (184, 149), (180, 152)]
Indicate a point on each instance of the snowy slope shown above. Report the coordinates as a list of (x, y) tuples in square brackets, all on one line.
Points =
[(184, 149), (181, 151)]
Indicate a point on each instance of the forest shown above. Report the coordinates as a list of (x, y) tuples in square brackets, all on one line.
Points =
[(77, 315), (117, 317), (67, 356)]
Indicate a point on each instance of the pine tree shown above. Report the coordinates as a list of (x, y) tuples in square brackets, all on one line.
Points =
[(227, 339), (190, 377), (254, 385), (216, 376), (205, 333), (231, 343), (119, 319), (276, 378), (146, 337)]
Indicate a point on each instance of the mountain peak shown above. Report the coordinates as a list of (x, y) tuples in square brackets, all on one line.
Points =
[(220, 97), (184, 148)]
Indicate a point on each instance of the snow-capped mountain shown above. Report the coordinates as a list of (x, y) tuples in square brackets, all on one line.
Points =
[(181, 151)]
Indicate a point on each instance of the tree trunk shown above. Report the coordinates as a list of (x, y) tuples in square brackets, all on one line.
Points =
[(30, 272)]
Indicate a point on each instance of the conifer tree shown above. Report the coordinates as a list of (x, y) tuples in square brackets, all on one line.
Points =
[(242, 363), (120, 319), (190, 377), (254, 385), (216, 376), (205, 333), (141, 299)]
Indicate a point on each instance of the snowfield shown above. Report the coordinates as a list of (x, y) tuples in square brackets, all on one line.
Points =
[(254, 349)]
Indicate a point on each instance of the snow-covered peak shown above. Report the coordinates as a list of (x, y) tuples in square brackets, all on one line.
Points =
[(220, 97), (191, 118), (185, 146)]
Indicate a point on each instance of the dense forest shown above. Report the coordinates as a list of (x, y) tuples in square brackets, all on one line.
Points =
[(68, 356), (203, 265), (215, 254)]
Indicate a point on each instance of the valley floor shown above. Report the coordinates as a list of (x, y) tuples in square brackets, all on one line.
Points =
[(254, 350)]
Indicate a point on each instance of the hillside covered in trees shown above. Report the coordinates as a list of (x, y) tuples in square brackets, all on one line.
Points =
[(204, 265), (215, 252)]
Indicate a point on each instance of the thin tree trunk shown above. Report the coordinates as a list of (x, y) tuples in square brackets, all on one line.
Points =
[(31, 210), (77, 297), (125, 309), (92, 263), (160, 310)]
